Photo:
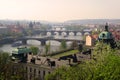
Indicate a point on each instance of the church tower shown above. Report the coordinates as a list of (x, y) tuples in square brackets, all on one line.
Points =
[(31, 25), (107, 37)]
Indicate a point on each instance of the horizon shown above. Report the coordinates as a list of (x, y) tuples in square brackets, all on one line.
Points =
[(59, 10), (56, 21)]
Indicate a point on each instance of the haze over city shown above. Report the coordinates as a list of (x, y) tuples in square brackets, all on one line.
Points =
[(59, 10)]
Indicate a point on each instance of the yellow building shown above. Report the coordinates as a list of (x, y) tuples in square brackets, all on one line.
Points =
[(89, 40)]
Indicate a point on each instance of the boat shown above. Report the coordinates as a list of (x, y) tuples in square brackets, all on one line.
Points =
[(16, 44)]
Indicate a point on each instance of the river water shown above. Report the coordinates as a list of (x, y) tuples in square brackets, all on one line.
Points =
[(55, 45)]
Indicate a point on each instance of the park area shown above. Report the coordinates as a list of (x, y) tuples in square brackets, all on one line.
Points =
[(65, 53)]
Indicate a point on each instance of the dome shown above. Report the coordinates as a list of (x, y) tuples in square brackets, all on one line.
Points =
[(105, 35)]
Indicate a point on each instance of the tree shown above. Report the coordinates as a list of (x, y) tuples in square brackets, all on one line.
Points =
[(34, 50), (47, 48), (63, 44), (7, 71), (74, 44), (80, 47), (4, 65), (118, 44)]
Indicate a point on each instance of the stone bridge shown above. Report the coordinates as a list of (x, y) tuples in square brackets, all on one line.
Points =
[(66, 32), (43, 40)]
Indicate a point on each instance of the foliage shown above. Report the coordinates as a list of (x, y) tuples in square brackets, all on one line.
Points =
[(4, 65), (63, 44), (118, 44), (104, 65), (84, 37), (65, 53), (80, 47), (47, 48), (6, 68), (34, 50), (74, 44)]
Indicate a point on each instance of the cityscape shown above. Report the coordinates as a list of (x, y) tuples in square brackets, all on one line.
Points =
[(59, 40)]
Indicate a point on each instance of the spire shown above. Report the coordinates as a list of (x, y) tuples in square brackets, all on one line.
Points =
[(31, 25), (106, 27)]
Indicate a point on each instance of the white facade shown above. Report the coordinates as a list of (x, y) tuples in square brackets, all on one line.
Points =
[(58, 28)]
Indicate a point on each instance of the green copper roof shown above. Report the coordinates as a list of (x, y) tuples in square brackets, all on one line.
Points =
[(21, 50), (105, 35)]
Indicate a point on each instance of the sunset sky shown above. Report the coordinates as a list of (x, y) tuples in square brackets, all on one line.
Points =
[(59, 10)]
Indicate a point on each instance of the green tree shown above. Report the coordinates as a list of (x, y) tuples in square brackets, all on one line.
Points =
[(118, 44), (80, 47), (4, 65), (7, 68), (63, 44), (34, 50), (47, 48), (74, 45)]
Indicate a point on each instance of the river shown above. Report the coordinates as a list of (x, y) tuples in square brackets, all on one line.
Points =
[(55, 45)]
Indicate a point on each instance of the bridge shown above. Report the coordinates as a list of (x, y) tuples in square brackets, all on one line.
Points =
[(43, 40), (64, 32), (7, 40)]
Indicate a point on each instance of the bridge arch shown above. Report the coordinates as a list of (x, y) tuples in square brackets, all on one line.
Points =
[(87, 33), (63, 33), (49, 34), (78, 34), (71, 33), (56, 33), (53, 42), (33, 42)]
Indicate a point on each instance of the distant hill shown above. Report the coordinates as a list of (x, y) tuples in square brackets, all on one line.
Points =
[(94, 21), (82, 21)]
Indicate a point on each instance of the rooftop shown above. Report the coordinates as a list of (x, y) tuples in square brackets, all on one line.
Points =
[(21, 50), (105, 35)]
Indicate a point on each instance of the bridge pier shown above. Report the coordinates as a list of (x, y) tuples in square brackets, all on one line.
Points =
[(67, 33), (24, 42), (43, 43), (75, 33), (60, 33)]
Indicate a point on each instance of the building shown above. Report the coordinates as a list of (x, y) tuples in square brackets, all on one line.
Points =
[(4, 30), (20, 54), (116, 34), (36, 67), (90, 40), (107, 37), (58, 28)]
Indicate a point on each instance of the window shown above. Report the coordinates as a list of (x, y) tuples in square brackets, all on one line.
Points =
[(30, 77), (103, 35), (48, 72), (30, 69), (34, 72), (39, 72), (110, 35), (43, 73), (26, 68)]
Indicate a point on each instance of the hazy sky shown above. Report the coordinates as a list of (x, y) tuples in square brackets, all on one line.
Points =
[(59, 10)]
